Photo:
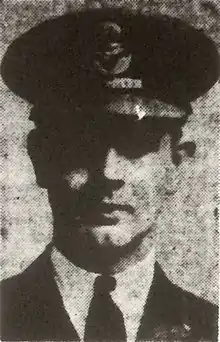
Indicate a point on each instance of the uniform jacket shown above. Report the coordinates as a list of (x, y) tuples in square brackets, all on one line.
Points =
[(32, 309)]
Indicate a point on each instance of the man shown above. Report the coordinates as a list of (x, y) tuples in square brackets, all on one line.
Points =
[(111, 92)]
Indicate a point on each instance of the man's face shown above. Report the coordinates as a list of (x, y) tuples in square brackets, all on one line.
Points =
[(107, 182)]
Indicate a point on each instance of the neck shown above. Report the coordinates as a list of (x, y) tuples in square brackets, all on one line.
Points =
[(67, 267)]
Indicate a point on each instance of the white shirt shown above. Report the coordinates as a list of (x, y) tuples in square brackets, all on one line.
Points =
[(76, 288)]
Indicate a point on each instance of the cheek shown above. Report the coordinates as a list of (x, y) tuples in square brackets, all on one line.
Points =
[(77, 179), (147, 180)]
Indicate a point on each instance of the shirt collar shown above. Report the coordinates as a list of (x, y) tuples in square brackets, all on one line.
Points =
[(76, 288)]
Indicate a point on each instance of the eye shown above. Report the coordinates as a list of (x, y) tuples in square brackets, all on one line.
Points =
[(138, 145)]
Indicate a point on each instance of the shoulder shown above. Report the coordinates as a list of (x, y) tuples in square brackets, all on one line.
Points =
[(16, 305), (23, 297), (14, 288), (201, 311), (183, 311), (199, 315), (33, 279), (17, 291)]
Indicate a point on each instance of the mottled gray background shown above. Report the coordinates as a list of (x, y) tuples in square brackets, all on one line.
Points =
[(188, 248)]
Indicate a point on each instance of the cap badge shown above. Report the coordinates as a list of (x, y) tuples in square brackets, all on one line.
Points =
[(112, 57)]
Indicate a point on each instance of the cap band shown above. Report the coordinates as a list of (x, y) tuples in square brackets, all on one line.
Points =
[(128, 104), (125, 83)]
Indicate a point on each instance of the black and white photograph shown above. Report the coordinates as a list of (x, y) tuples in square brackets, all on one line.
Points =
[(110, 167)]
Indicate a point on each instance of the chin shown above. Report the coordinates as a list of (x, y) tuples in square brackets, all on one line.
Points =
[(115, 236), (110, 236), (100, 249)]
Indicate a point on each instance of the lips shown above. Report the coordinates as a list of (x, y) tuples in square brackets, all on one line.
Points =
[(111, 207), (103, 214)]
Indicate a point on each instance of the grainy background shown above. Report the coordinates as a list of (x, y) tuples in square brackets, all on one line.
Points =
[(188, 249)]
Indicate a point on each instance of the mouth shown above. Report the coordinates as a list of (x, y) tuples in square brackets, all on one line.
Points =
[(106, 214), (109, 208)]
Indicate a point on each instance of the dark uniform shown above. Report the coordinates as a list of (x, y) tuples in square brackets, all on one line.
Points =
[(115, 60), (32, 309)]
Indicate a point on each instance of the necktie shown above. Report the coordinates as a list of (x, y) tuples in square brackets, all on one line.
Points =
[(104, 321)]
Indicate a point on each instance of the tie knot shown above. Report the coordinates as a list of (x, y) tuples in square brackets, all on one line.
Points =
[(104, 284)]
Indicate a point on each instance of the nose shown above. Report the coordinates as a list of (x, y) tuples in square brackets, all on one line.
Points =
[(114, 167)]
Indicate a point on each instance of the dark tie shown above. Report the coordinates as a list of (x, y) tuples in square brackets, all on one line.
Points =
[(104, 321)]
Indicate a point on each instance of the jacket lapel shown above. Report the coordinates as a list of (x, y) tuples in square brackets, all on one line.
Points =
[(163, 317)]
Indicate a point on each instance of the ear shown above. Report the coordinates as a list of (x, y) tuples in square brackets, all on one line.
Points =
[(40, 158), (181, 147), (185, 150)]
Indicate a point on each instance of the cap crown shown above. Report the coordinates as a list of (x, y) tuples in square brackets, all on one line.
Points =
[(88, 55)]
